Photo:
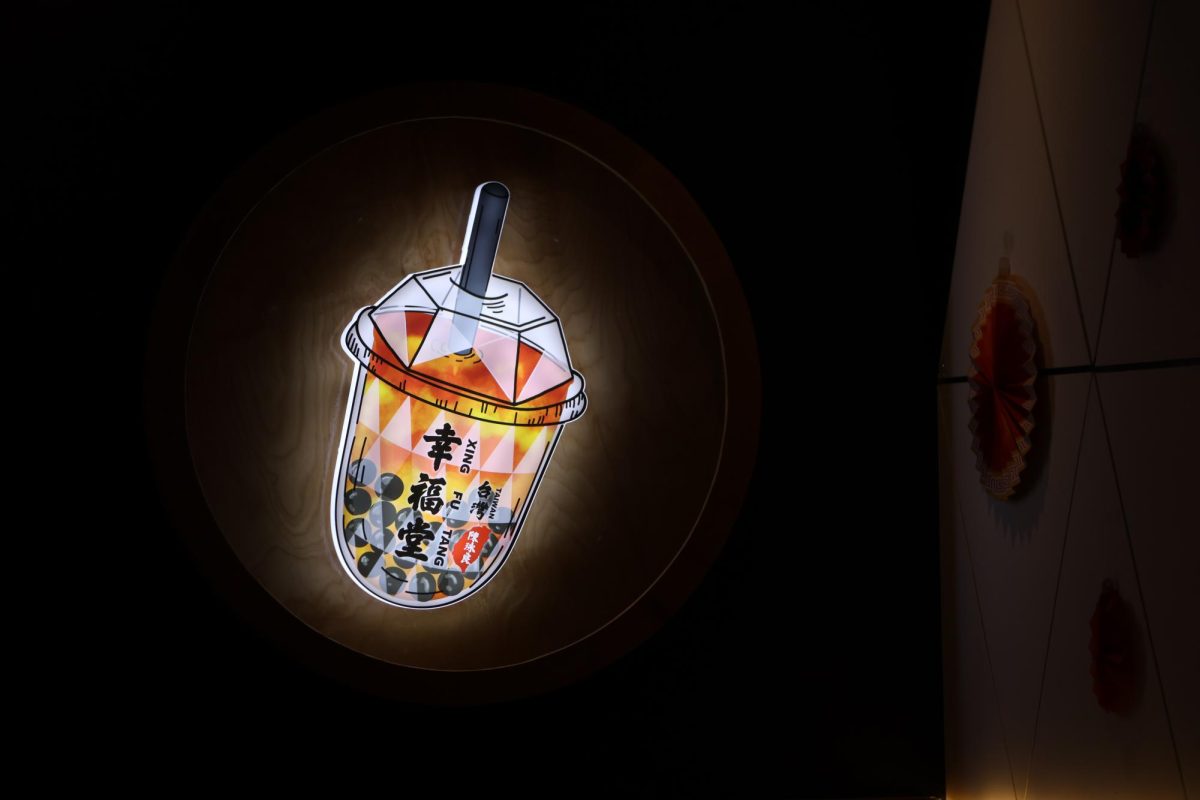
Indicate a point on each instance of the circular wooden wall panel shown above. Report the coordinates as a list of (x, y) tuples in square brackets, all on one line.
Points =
[(640, 493)]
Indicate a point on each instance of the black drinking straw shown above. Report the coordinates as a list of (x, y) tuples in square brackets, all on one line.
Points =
[(483, 236), (479, 253)]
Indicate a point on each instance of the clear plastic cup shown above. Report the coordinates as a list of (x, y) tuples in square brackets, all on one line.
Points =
[(456, 406)]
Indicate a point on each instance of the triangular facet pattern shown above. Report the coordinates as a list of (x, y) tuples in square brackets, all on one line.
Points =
[(498, 351), (529, 445), (545, 375), (547, 339), (423, 419), (395, 333), (438, 284), (368, 415), (391, 400), (443, 338), (501, 457), (399, 427)]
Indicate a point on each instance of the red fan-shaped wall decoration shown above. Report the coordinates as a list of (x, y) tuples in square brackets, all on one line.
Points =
[(1001, 380), (1116, 652)]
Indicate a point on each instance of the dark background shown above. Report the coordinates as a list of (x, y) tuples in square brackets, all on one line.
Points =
[(828, 151)]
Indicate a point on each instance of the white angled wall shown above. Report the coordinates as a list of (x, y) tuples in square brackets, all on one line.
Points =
[(1114, 490)]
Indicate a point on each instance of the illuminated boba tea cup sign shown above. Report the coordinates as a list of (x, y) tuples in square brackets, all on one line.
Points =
[(462, 387)]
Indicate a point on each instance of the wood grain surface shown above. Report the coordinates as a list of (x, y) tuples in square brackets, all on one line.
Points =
[(266, 382)]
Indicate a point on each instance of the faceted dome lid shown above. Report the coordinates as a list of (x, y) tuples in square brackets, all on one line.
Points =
[(506, 345)]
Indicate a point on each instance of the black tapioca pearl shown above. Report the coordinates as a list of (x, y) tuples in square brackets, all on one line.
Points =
[(390, 486), (499, 527), (380, 537), (358, 501), (423, 586), (361, 472), (382, 514), (489, 545), (357, 529), (450, 582), (402, 561), (393, 579), (367, 561)]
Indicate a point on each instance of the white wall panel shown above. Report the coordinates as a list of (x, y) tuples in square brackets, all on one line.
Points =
[(1008, 191), (1082, 750)]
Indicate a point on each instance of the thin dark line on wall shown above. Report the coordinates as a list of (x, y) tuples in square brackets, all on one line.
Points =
[(1162, 692), (1112, 253), (1076, 370), (1095, 369), (1172, 363), (1112, 250), (1062, 222), (1037, 714), (987, 649)]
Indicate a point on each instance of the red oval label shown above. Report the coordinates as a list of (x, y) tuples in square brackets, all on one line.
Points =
[(467, 549)]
